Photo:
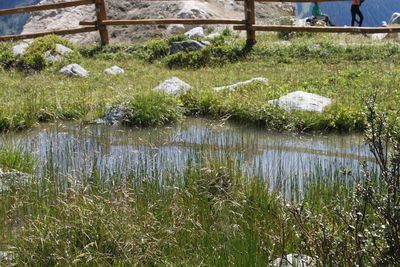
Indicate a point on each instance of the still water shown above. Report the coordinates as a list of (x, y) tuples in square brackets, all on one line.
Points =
[(73, 152)]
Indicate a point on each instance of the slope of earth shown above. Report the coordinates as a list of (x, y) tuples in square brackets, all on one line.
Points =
[(69, 18), (14, 24)]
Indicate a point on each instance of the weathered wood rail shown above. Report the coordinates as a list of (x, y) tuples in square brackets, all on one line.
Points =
[(248, 23)]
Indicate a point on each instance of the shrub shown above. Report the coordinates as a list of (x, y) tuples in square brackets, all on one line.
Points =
[(363, 229), (154, 50), (209, 56), (34, 55), (7, 57)]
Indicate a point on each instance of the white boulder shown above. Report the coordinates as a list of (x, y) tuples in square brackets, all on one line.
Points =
[(74, 70), (197, 32), (302, 101), (114, 70), (19, 49), (173, 86), (236, 86), (63, 50)]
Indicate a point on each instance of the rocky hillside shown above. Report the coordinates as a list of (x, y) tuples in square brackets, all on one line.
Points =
[(126, 9), (14, 24)]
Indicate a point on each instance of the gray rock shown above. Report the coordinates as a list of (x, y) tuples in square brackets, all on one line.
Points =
[(114, 116), (294, 260), (189, 45), (74, 70), (11, 179), (175, 29), (395, 19), (236, 86), (63, 50), (173, 86), (19, 49), (114, 70), (302, 101), (50, 58), (197, 32)]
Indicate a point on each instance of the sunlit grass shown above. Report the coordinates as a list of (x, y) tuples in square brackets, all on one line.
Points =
[(347, 75)]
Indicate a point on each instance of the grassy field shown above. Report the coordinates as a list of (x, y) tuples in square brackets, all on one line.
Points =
[(346, 69), (214, 215)]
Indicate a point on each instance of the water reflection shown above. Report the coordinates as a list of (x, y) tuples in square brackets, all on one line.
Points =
[(74, 152)]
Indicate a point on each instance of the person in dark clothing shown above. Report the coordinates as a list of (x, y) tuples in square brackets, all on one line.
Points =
[(355, 11)]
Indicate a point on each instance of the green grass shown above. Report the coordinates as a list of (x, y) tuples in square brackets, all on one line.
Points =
[(14, 158), (214, 217), (347, 74)]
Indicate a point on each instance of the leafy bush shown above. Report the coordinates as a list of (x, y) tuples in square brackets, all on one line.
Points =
[(154, 50), (362, 230), (209, 56), (153, 109), (34, 55), (7, 57)]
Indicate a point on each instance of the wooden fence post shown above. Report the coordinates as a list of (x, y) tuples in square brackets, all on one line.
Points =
[(101, 14), (250, 15)]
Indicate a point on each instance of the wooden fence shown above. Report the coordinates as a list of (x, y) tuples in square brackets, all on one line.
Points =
[(248, 23)]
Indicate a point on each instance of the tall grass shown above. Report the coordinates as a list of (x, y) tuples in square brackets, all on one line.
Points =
[(16, 159)]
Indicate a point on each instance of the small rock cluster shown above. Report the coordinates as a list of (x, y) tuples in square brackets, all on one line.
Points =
[(295, 101), (60, 53), (74, 70)]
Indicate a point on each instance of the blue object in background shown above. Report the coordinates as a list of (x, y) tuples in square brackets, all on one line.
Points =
[(375, 11)]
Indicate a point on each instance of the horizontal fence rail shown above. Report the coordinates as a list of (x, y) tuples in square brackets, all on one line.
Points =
[(283, 28), (40, 34), (164, 22), (28, 9)]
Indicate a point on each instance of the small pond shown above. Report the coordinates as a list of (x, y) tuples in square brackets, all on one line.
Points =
[(73, 152)]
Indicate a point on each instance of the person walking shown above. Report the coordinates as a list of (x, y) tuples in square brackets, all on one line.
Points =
[(318, 15), (355, 11)]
